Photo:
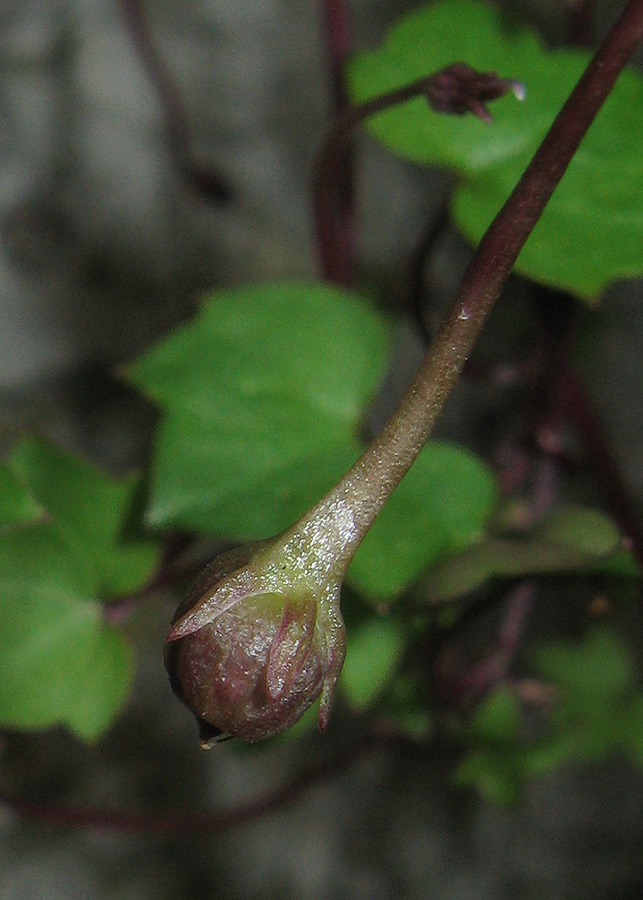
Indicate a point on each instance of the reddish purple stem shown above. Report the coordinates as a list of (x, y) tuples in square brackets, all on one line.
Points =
[(576, 408), (202, 178), (176, 823), (338, 42), (456, 89), (492, 670)]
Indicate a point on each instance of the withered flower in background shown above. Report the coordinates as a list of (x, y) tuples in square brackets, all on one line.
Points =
[(459, 89)]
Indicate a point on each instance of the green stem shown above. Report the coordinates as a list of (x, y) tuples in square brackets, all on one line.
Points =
[(346, 513)]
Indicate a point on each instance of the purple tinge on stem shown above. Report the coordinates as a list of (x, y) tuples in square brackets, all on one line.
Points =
[(459, 89)]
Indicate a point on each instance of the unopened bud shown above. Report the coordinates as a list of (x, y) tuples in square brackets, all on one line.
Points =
[(458, 89), (254, 645)]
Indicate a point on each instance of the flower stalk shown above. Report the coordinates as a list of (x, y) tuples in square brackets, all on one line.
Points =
[(374, 477), (261, 636)]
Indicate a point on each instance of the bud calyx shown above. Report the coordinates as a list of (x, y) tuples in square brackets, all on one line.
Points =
[(255, 644)]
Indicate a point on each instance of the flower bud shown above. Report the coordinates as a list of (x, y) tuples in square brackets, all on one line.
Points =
[(459, 89), (254, 645)]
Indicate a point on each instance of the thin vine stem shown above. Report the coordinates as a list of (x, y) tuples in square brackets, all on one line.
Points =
[(208, 183), (329, 173), (577, 409), (338, 41), (177, 823), (373, 478), (495, 667), (455, 89), (581, 21)]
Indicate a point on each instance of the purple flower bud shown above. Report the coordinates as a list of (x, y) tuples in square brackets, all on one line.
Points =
[(458, 89), (255, 644)]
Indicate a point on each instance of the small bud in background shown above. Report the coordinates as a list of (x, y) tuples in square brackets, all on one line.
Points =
[(261, 635), (255, 644), (458, 89)]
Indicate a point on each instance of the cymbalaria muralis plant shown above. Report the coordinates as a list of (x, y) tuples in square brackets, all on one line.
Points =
[(262, 396), (262, 634)]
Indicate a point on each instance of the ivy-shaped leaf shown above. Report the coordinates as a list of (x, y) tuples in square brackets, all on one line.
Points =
[(91, 510), (591, 232), (263, 395), (59, 660)]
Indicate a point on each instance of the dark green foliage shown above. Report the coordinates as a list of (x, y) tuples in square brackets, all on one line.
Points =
[(595, 711)]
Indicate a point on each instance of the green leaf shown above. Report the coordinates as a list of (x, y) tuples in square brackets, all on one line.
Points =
[(17, 505), (592, 674), (621, 564), (91, 510), (595, 679), (498, 558), (572, 539), (59, 661), (496, 774), (373, 653), (592, 230), (587, 531), (500, 761), (263, 394), (497, 719), (441, 506), (593, 715), (550, 754)]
